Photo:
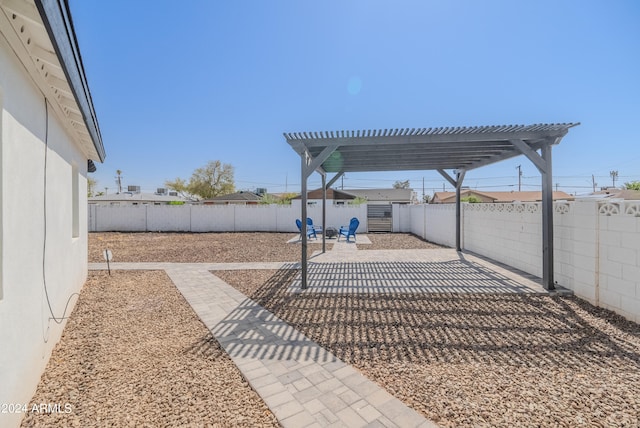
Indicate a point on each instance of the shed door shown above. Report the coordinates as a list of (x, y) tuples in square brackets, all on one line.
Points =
[(379, 218)]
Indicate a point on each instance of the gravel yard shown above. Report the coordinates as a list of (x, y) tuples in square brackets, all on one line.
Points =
[(459, 359), (134, 353), (474, 360), (197, 247), (396, 241)]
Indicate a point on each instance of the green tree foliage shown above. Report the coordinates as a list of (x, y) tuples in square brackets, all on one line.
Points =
[(401, 184), (213, 179), (632, 185), (284, 199), (471, 199), (359, 200)]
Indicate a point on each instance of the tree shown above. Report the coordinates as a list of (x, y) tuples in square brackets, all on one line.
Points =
[(284, 199), (180, 186), (401, 184), (213, 179), (91, 187), (632, 185), (359, 200)]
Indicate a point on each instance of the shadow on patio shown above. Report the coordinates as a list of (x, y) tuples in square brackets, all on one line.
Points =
[(492, 321)]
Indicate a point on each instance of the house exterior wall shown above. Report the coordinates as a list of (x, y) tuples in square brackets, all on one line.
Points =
[(27, 334)]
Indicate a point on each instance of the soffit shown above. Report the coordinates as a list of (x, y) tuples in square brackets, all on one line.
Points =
[(32, 44)]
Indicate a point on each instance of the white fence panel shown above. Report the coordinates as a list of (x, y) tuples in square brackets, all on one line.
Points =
[(286, 219), (510, 233), (212, 218), (169, 218), (402, 218), (440, 220), (115, 218), (255, 218)]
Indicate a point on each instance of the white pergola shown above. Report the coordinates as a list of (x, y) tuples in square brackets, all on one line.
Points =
[(460, 149)]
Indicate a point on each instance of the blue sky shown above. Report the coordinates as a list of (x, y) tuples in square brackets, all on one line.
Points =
[(176, 84)]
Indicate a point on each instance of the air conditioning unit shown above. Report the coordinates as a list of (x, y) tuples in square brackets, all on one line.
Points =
[(133, 189), (173, 193), (161, 191), (261, 191)]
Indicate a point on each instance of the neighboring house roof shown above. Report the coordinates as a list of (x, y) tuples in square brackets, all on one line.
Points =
[(372, 195), (44, 40), (498, 197), (383, 195), (235, 197), (627, 194), (331, 194), (135, 197)]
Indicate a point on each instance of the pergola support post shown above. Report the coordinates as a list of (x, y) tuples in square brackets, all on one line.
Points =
[(307, 167), (457, 183), (303, 229), (547, 221), (324, 212), (459, 179), (544, 165)]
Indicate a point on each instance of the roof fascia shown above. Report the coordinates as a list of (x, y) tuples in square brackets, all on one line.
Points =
[(56, 17)]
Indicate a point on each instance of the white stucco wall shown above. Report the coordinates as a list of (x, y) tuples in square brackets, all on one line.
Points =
[(27, 334)]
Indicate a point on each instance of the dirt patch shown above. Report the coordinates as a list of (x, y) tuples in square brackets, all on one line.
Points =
[(474, 360), (134, 353), (197, 247)]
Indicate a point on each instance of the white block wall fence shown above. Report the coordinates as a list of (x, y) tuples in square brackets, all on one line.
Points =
[(216, 218), (597, 244)]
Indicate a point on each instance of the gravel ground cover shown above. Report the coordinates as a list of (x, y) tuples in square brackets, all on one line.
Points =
[(197, 247), (474, 360), (134, 354), (396, 241)]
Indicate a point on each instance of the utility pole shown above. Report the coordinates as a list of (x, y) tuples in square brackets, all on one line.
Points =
[(422, 189), (593, 182), (557, 187), (119, 180), (519, 168), (614, 176)]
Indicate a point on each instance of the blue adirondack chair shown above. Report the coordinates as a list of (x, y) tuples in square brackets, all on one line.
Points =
[(349, 231), (310, 231), (317, 229)]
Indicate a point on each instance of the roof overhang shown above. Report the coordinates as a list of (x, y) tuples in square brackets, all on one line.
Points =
[(41, 34), (458, 148)]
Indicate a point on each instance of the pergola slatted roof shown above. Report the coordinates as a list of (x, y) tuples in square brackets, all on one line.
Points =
[(460, 148)]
